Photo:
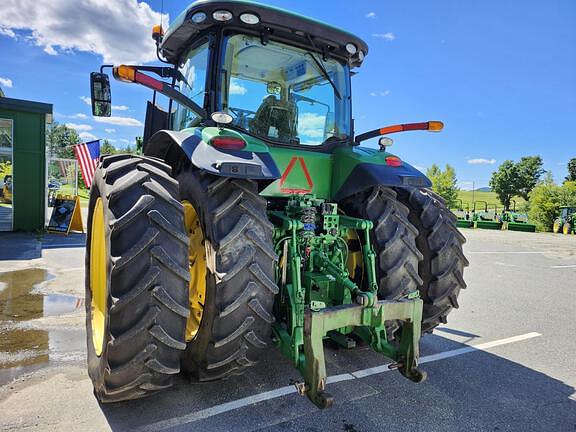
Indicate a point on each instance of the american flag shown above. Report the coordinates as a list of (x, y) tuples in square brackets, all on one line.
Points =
[(88, 155)]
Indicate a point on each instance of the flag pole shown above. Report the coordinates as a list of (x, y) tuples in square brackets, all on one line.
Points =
[(76, 177)]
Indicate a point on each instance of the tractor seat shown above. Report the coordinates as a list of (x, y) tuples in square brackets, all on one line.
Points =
[(275, 119)]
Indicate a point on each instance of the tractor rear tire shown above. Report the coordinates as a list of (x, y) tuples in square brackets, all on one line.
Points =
[(236, 321), (567, 228), (557, 227), (137, 269), (440, 243), (394, 240)]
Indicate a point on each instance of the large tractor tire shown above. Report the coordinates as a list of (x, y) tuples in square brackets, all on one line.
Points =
[(557, 227), (136, 278), (440, 243), (394, 240), (567, 228), (232, 286)]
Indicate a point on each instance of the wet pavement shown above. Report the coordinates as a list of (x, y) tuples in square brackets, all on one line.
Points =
[(25, 344), (41, 303)]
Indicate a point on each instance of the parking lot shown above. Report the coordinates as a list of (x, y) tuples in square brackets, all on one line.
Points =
[(505, 361)]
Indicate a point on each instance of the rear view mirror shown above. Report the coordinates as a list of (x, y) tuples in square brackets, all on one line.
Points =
[(100, 94)]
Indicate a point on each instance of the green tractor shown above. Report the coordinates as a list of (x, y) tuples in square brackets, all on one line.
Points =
[(566, 221), (485, 219), (254, 218), (462, 213), (516, 221)]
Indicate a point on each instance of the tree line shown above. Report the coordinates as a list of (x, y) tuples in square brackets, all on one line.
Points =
[(61, 138)]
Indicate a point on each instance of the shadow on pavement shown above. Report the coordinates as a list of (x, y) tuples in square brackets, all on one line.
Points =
[(28, 246), (476, 391)]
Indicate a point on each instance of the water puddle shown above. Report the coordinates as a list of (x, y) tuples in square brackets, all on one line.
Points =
[(26, 345)]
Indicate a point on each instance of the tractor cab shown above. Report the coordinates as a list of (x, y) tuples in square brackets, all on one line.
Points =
[(566, 212), (281, 78)]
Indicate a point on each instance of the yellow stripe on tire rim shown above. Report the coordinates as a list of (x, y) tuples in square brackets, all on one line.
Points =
[(197, 257), (98, 276)]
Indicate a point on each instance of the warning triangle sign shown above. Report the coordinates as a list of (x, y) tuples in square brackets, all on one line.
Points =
[(296, 178)]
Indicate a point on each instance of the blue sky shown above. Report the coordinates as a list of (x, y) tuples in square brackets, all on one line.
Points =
[(500, 74)]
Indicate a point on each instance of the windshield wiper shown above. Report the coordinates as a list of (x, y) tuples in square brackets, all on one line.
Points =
[(325, 73)]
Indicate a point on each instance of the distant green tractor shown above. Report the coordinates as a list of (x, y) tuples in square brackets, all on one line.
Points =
[(566, 222), (486, 219), (516, 221), (462, 213)]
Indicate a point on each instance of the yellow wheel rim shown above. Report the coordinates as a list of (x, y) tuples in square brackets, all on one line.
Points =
[(556, 227), (98, 277), (355, 258), (566, 229), (197, 257)]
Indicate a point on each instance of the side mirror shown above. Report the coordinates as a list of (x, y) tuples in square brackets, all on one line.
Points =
[(100, 94)]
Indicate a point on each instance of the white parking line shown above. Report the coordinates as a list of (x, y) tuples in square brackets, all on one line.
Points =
[(507, 252), (565, 266), (283, 391)]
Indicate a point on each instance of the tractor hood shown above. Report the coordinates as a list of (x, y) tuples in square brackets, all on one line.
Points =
[(271, 22)]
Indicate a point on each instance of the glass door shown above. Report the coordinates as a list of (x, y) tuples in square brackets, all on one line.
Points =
[(6, 174)]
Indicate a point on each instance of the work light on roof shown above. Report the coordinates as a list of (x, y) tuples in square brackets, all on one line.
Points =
[(351, 48), (361, 55), (248, 18), (222, 15), (198, 17)]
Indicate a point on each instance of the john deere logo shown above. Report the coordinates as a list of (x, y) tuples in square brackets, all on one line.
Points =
[(296, 177)]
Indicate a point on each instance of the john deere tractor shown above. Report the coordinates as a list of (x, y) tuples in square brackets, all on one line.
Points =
[(254, 218), (566, 221)]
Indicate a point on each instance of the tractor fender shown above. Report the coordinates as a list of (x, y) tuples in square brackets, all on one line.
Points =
[(366, 175), (188, 146)]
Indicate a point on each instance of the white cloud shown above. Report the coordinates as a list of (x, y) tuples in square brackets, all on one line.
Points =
[(311, 125), (119, 30), (87, 136), (236, 88), (120, 107), (481, 161), (380, 93), (119, 121), (86, 100), (109, 130), (79, 116), (125, 141), (79, 127), (370, 15), (6, 82), (389, 36), (7, 32)]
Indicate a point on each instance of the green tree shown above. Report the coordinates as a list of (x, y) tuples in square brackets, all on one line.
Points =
[(444, 183), (107, 148), (139, 145), (571, 170), (529, 173), (60, 140), (504, 182)]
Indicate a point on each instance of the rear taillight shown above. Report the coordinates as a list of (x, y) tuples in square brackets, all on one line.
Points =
[(393, 161), (228, 143)]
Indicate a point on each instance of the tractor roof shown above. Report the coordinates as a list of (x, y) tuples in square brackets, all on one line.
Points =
[(292, 27)]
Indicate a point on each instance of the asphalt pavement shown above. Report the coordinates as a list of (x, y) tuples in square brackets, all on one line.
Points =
[(506, 360)]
